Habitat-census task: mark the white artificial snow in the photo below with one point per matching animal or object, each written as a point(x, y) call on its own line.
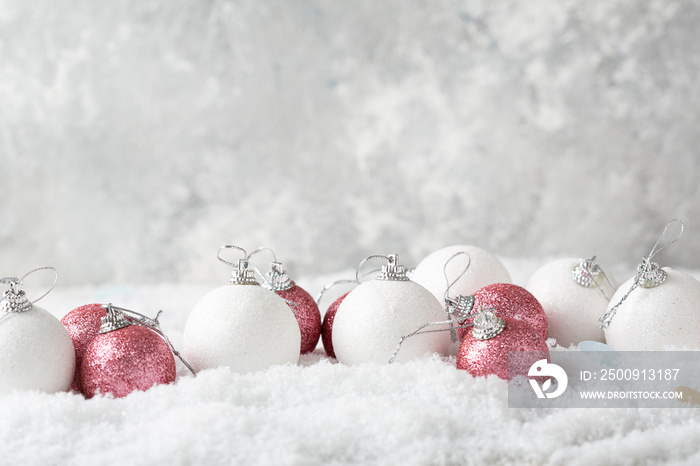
point(319, 412)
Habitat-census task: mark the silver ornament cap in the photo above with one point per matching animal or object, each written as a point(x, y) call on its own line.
point(14, 299)
point(392, 270)
point(277, 278)
point(587, 273)
point(242, 275)
point(487, 325)
point(114, 320)
point(460, 307)
point(650, 274)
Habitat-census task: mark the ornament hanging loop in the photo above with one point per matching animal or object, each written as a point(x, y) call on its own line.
point(449, 303)
point(240, 275)
point(446, 325)
point(444, 271)
point(649, 274)
point(231, 264)
point(655, 251)
point(359, 267)
point(330, 285)
point(260, 249)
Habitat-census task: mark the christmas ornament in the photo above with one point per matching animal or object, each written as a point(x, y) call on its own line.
point(484, 350)
point(374, 316)
point(127, 354)
point(241, 325)
point(329, 315)
point(507, 300)
point(658, 308)
point(302, 303)
point(477, 267)
point(83, 325)
point(574, 293)
point(327, 331)
point(36, 352)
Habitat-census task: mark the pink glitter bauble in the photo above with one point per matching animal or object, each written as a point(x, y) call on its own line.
point(307, 314)
point(514, 301)
point(328, 318)
point(82, 324)
point(486, 357)
point(124, 360)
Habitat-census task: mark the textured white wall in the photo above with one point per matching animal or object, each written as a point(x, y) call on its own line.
point(138, 136)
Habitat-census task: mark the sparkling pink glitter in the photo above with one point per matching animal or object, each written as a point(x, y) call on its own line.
point(486, 357)
point(82, 324)
point(514, 301)
point(327, 332)
point(128, 359)
point(307, 314)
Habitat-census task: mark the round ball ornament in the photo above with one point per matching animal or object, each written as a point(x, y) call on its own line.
point(301, 302)
point(374, 317)
point(124, 357)
point(657, 309)
point(474, 266)
point(574, 293)
point(83, 324)
point(507, 300)
point(241, 325)
point(36, 352)
point(327, 331)
point(484, 350)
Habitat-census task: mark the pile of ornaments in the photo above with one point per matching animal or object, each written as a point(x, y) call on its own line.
point(458, 301)
point(397, 318)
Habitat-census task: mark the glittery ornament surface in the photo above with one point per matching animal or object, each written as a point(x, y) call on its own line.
point(327, 332)
point(486, 357)
point(36, 352)
point(82, 324)
point(373, 318)
point(128, 359)
point(652, 319)
point(307, 314)
point(572, 310)
point(244, 327)
point(511, 301)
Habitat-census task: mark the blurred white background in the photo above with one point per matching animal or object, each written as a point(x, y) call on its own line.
point(137, 136)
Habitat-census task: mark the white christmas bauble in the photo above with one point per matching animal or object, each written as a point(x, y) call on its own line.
point(572, 310)
point(244, 327)
point(374, 316)
point(484, 269)
point(650, 319)
point(36, 352)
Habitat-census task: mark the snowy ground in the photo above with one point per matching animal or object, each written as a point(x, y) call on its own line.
point(320, 412)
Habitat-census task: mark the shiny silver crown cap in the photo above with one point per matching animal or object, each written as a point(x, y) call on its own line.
point(587, 272)
point(114, 320)
point(14, 300)
point(277, 278)
point(460, 307)
point(241, 275)
point(650, 274)
point(487, 325)
point(392, 271)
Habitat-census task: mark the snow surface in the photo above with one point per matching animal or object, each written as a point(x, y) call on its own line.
point(321, 412)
